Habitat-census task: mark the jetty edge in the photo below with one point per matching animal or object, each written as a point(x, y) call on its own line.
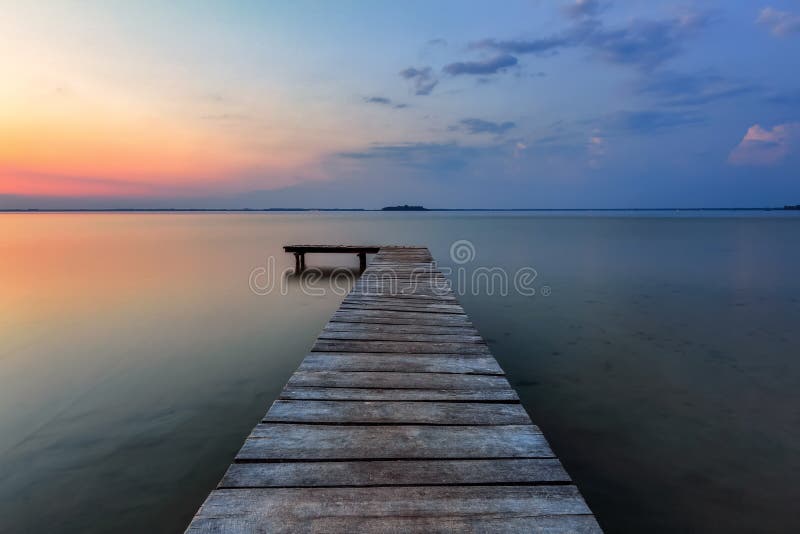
point(398, 420)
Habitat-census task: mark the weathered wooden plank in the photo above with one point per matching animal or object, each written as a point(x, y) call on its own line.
point(353, 335)
point(404, 260)
point(394, 250)
point(396, 509)
point(412, 268)
point(270, 442)
point(390, 272)
point(560, 524)
point(401, 347)
point(407, 289)
point(394, 473)
point(389, 290)
point(394, 277)
point(408, 266)
point(400, 293)
point(400, 314)
point(397, 380)
point(449, 298)
point(408, 261)
point(455, 310)
point(385, 317)
point(383, 412)
point(426, 300)
point(449, 363)
point(336, 326)
point(416, 268)
point(394, 274)
point(397, 276)
point(450, 395)
point(402, 298)
point(399, 318)
point(427, 304)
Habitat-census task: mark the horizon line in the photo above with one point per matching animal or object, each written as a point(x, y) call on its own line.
point(84, 210)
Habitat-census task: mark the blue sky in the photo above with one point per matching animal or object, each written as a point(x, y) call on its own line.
point(363, 104)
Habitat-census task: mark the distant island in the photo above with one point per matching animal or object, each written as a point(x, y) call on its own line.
point(795, 207)
point(404, 207)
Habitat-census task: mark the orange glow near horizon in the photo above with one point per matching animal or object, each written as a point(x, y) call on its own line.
point(80, 152)
point(98, 140)
point(90, 108)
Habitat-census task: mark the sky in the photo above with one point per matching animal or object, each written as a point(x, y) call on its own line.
point(449, 104)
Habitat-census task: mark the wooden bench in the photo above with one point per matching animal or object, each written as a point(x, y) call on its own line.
point(300, 252)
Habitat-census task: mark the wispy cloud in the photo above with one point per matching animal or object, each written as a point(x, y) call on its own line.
point(542, 45)
point(377, 100)
point(642, 43)
point(480, 126)
point(583, 8)
point(430, 157)
point(483, 67)
point(649, 121)
point(692, 89)
point(780, 23)
point(764, 146)
point(422, 78)
point(645, 43)
point(787, 98)
point(384, 101)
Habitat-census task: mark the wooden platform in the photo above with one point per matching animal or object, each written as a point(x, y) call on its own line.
point(398, 420)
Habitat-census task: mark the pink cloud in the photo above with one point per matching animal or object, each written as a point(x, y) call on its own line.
point(596, 147)
point(780, 23)
point(763, 146)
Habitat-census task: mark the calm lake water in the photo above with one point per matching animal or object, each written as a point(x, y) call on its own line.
point(662, 366)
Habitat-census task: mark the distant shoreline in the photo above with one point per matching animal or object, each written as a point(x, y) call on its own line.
point(295, 210)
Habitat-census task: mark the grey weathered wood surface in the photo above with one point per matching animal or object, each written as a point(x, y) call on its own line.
point(398, 420)
point(394, 473)
point(281, 441)
point(531, 508)
point(396, 380)
point(452, 395)
point(400, 336)
point(393, 412)
point(439, 363)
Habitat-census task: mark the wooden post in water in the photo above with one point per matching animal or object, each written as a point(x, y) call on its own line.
point(398, 420)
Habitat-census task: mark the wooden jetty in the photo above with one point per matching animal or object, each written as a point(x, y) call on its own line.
point(398, 420)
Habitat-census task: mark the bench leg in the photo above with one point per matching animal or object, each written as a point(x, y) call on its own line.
point(302, 261)
point(362, 260)
point(297, 262)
